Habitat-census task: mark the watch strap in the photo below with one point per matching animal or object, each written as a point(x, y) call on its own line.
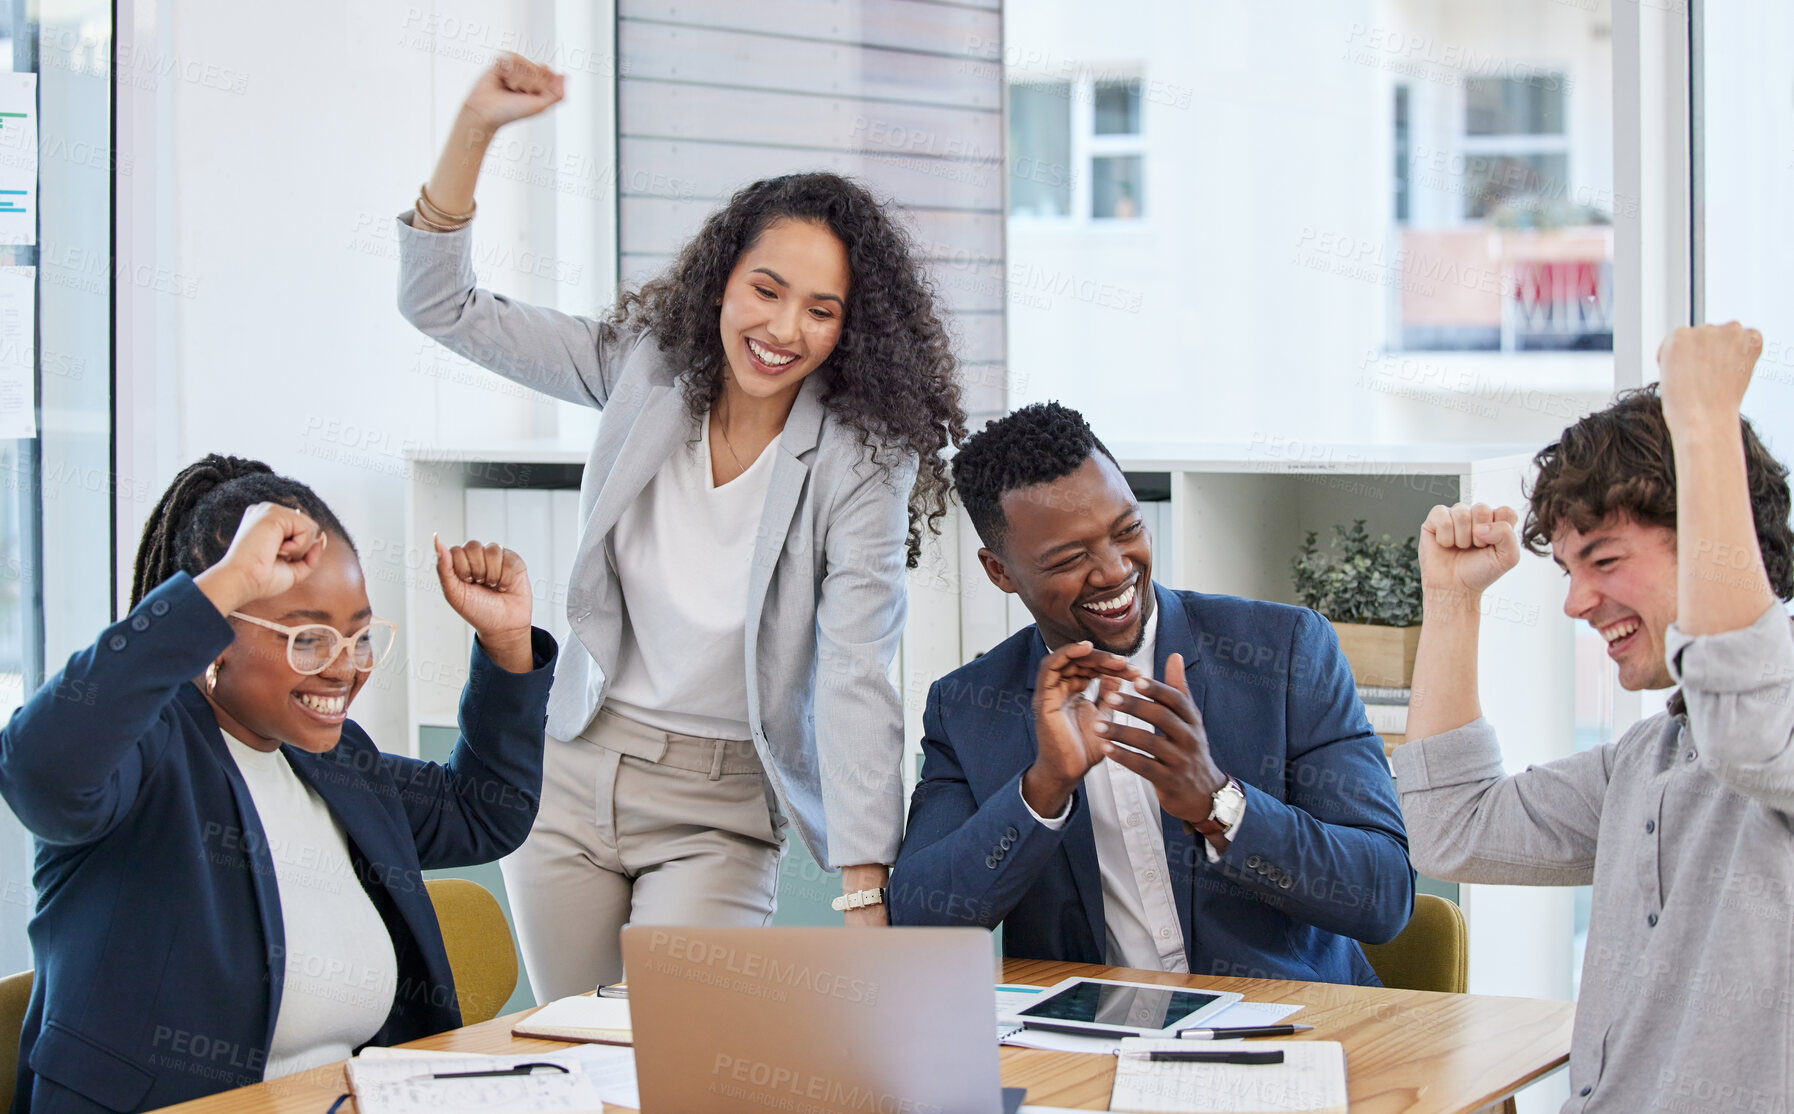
point(859, 899)
point(1213, 825)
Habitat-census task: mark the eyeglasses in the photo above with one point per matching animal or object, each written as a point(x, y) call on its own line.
point(311, 648)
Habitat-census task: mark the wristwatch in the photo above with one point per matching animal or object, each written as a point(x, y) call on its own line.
point(1229, 806)
point(859, 899)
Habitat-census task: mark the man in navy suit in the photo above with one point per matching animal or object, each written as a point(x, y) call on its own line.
point(1144, 777)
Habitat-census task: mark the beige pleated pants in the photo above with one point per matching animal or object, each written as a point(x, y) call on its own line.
point(638, 826)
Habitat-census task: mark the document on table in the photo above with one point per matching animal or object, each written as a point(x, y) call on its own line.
point(1311, 1078)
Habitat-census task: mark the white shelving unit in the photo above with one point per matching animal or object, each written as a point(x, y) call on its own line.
point(1234, 517)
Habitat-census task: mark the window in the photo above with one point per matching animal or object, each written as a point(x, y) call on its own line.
point(1040, 149)
point(56, 489)
point(1077, 147)
point(1515, 145)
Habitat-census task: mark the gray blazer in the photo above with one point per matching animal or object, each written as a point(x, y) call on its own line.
point(826, 595)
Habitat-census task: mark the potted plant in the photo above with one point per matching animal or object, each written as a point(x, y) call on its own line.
point(1369, 588)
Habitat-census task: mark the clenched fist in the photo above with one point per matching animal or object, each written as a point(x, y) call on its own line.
point(1464, 549)
point(1705, 370)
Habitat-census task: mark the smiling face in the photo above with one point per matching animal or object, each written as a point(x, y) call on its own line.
point(783, 307)
point(1078, 554)
point(259, 698)
point(1623, 583)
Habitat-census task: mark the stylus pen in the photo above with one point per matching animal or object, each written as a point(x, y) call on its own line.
point(1243, 1031)
point(1078, 1030)
point(1205, 1057)
point(613, 990)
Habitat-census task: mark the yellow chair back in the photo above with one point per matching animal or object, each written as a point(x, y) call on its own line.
point(1432, 953)
point(480, 951)
point(15, 992)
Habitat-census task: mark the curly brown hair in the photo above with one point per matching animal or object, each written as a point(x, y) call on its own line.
point(892, 376)
point(1620, 461)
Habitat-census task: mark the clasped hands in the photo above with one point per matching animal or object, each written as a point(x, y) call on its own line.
point(1075, 732)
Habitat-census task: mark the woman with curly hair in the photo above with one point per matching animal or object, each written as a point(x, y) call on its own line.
point(776, 405)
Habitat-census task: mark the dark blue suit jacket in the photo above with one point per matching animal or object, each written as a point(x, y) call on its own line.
point(158, 937)
point(1320, 860)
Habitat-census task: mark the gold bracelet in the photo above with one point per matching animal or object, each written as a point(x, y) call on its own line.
point(417, 216)
point(440, 214)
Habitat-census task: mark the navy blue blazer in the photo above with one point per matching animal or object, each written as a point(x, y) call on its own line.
point(1320, 860)
point(158, 935)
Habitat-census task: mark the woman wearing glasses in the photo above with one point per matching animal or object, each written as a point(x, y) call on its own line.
point(228, 868)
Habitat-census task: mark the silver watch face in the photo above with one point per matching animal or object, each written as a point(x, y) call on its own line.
point(1230, 803)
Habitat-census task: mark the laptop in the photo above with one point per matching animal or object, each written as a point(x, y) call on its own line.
point(814, 1020)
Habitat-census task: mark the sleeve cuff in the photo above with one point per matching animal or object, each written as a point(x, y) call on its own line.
point(1464, 754)
point(1744, 660)
point(1056, 823)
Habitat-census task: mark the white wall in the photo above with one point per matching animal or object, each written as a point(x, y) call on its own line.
point(277, 201)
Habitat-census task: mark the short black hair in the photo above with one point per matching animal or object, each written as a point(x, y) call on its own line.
point(1037, 444)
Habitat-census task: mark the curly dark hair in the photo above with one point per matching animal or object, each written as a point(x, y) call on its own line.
point(1620, 461)
point(1036, 444)
point(892, 376)
point(196, 519)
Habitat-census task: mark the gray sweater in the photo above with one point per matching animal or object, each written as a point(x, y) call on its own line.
point(1685, 827)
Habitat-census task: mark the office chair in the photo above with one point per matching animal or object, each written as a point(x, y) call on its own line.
point(480, 950)
point(15, 992)
point(1432, 953)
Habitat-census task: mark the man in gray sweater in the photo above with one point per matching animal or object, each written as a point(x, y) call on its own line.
point(1671, 521)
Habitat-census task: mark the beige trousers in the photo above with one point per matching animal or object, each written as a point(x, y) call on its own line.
point(638, 826)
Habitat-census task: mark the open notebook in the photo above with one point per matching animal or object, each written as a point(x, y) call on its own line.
point(404, 1082)
point(1311, 1078)
point(581, 1018)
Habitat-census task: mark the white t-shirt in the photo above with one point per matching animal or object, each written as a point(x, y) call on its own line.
point(341, 973)
point(684, 548)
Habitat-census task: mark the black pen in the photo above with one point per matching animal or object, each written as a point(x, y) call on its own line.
point(1200, 1034)
point(1203, 1056)
point(520, 1069)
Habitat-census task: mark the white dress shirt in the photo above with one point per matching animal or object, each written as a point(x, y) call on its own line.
point(1139, 913)
point(684, 549)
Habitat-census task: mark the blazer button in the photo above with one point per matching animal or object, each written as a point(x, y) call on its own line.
point(116, 642)
point(1013, 835)
point(139, 623)
point(160, 607)
point(1285, 882)
point(1006, 843)
point(990, 861)
point(1252, 861)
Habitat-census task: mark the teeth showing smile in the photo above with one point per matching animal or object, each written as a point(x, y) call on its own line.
point(324, 705)
point(1619, 630)
point(766, 356)
point(1116, 603)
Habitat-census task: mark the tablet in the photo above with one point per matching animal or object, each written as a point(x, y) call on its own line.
point(1109, 1006)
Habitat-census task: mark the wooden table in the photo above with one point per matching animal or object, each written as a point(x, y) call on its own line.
point(1407, 1051)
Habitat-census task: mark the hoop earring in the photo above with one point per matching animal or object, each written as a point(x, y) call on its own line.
point(211, 677)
